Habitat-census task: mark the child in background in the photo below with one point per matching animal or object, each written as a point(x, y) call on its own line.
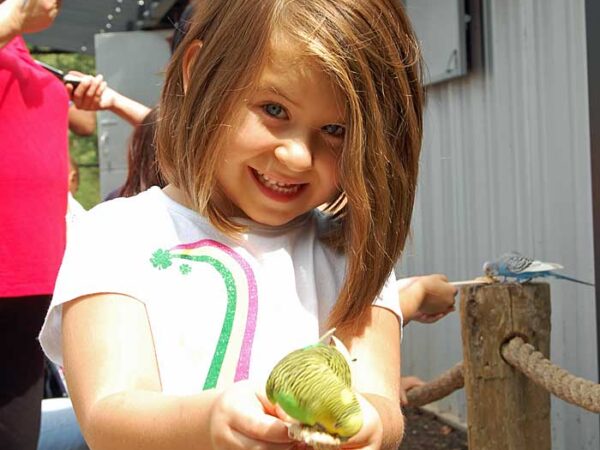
point(191, 294)
point(425, 299)
point(74, 208)
point(142, 167)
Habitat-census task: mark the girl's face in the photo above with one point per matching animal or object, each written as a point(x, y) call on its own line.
point(281, 159)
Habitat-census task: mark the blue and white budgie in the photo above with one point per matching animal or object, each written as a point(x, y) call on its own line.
point(521, 268)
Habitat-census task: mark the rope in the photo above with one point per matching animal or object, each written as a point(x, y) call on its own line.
point(448, 382)
point(525, 358)
point(534, 365)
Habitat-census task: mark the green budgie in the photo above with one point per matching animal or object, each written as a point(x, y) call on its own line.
point(313, 386)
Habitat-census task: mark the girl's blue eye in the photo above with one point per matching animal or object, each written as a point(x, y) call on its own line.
point(334, 130)
point(275, 110)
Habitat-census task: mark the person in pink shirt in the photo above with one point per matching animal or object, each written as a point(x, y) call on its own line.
point(33, 201)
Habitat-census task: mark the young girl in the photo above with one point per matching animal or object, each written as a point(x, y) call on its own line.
point(173, 306)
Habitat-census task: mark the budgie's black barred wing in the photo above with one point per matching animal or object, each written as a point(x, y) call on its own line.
point(336, 362)
point(515, 262)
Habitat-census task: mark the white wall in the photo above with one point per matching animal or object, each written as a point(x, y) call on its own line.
point(506, 166)
point(133, 63)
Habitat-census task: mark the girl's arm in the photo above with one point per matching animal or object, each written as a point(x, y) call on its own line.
point(376, 375)
point(114, 383)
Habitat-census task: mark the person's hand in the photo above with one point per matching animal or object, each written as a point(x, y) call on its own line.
point(243, 418)
point(92, 93)
point(30, 16)
point(431, 297)
point(438, 297)
point(371, 433)
point(406, 384)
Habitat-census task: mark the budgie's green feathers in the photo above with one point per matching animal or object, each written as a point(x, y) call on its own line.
point(313, 386)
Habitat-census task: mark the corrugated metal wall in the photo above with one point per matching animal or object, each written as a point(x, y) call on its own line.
point(506, 166)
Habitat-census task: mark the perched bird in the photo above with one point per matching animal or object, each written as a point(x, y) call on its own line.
point(521, 268)
point(313, 386)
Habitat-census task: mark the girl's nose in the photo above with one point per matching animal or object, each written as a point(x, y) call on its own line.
point(295, 155)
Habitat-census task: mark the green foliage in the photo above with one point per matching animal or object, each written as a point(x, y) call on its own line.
point(69, 61)
point(84, 150)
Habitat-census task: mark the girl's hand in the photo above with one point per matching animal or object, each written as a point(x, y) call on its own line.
point(242, 418)
point(92, 93)
point(371, 434)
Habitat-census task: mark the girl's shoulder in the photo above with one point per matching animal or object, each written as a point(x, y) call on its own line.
point(138, 221)
point(145, 209)
point(127, 205)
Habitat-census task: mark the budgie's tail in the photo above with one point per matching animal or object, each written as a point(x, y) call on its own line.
point(574, 280)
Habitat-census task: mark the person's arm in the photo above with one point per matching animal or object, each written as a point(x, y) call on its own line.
point(93, 94)
point(25, 16)
point(376, 376)
point(127, 108)
point(82, 122)
point(11, 18)
point(114, 384)
point(426, 298)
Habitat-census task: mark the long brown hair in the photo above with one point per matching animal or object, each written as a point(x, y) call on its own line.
point(370, 52)
point(142, 167)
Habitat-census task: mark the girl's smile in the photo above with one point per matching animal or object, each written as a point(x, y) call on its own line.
point(277, 190)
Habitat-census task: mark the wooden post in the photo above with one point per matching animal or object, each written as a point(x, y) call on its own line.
point(505, 410)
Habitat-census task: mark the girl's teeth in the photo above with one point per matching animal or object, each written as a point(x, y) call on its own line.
point(278, 186)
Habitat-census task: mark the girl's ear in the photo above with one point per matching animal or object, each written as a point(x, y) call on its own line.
point(191, 53)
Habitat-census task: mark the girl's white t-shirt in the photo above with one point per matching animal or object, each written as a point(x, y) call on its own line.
point(219, 310)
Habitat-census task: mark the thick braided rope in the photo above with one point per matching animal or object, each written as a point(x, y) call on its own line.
point(448, 382)
point(534, 365)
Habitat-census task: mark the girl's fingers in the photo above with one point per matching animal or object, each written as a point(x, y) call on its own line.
point(241, 409)
point(370, 435)
point(262, 427)
point(237, 440)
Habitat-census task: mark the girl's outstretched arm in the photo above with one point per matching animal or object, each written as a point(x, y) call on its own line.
point(376, 376)
point(114, 382)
